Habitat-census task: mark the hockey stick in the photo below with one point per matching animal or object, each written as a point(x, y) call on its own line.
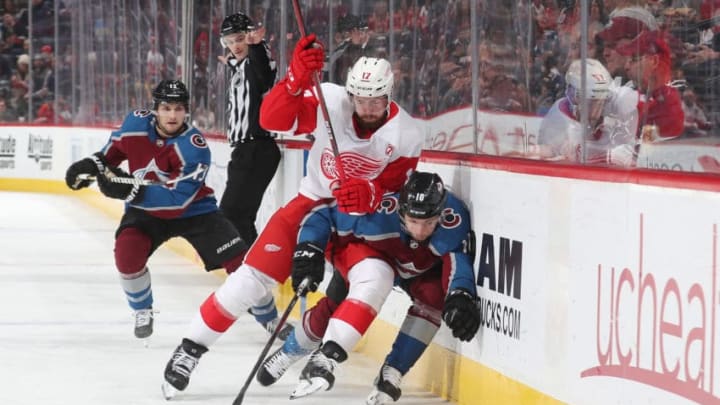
point(300, 291)
point(145, 182)
point(321, 97)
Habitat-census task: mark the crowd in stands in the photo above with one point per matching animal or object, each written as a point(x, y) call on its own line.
point(523, 51)
point(27, 83)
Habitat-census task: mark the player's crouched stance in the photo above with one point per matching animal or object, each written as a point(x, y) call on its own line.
point(423, 237)
point(165, 196)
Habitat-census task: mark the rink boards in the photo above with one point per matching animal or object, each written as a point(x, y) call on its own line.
point(597, 286)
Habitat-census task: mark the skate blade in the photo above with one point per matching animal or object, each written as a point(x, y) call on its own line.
point(146, 342)
point(308, 387)
point(168, 391)
point(378, 398)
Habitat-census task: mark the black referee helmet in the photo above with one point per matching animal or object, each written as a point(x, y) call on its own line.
point(238, 22)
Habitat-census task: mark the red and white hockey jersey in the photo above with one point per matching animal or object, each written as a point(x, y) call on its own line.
point(387, 156)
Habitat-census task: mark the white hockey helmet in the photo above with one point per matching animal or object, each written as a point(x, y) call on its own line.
point(597, 80)
point(370, 77)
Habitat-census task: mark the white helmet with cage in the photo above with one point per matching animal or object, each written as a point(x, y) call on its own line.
point(370, 77)
point(597, 80)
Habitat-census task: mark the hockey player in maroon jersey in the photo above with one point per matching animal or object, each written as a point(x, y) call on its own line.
point(379, 145)
point(424, 235)
point(160, 146)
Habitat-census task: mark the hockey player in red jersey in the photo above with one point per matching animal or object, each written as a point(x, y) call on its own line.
point(379, 145)
point(612, 120)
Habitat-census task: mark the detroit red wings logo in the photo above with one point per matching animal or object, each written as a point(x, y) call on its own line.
point(327, 165)
point(354, 165)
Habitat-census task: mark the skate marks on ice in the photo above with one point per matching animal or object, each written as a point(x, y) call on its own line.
point(66, 333)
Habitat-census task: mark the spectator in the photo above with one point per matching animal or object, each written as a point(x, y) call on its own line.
point(696, 124)
point(355, 35)
point(379, 19)
point(7, 113)
point(650, 67)
point(154, 62)
point(20, 84)
point(43, 78)
point(457, 94)
point(551, 86)
point(42, 12)
point(501, 95)
point(702, 62)
point(625, 24)
point(13, 36)
point(46, 114)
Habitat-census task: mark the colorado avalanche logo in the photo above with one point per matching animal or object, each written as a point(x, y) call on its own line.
point(198, 141)
point(388, 205)
point(151, 172)
point(450, 219)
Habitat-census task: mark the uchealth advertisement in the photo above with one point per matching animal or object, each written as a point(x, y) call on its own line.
point(644, 295)
point(698, 155)
point(595, 292)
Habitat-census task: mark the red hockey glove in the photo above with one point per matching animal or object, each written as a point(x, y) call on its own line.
point(358, 196)
point(307, 58)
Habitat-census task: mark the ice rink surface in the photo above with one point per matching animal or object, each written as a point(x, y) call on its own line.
point(66, 331)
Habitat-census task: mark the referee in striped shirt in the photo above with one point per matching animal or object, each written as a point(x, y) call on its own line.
point(255, 155)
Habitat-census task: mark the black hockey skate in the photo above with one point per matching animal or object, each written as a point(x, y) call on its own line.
point(181, 365)
point(279, 362)
point(143, 323)
point(387, 386)
point(318, 372)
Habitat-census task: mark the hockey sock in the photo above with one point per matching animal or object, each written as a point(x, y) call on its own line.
point(138, 290)
point(265, 313)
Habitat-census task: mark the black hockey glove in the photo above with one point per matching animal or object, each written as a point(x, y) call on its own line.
point(132, 193)
point(89, 166)
point(308, 262)
point(461, 314)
